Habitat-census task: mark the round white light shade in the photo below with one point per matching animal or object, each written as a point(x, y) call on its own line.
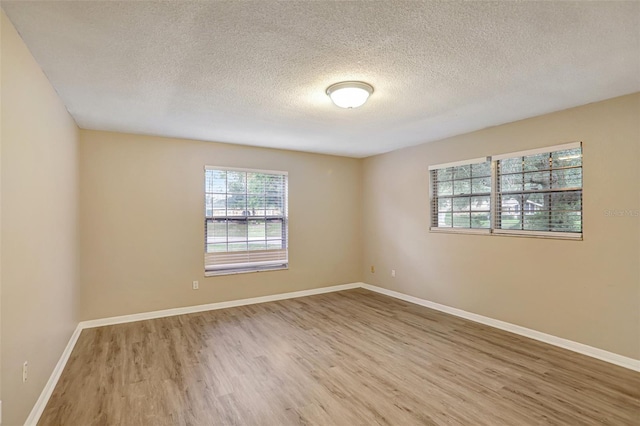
point(349, 94)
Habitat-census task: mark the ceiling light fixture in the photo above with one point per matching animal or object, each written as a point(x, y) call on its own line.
point(349, 94)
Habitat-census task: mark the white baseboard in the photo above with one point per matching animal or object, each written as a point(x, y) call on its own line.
point(603, 355)
point(622, 361)
point(42, 401)
point(214, 306)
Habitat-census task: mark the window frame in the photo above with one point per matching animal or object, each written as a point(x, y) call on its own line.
point(496, 195)
point(434, 197)
point(256, 265)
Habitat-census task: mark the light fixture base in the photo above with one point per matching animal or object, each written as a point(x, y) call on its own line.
point(349, 94)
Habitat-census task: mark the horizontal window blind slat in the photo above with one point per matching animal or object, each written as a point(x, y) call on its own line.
point(541, 191)
point(541, 170)
point(244, 257)
point(247, 265)
point(474, 194)
point(245, 269)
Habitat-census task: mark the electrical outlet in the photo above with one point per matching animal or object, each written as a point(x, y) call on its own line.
point(393, 273)
point(25, 366)
point(373, 269)
point(195, 285)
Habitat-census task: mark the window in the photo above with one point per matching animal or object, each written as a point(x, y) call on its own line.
point(461, 194)
point(540, 191)
point(246, 220)
point(531, 193)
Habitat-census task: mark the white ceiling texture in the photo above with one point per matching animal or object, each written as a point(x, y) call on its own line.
point(255, 73)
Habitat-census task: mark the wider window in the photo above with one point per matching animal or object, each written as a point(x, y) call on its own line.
point(246, 220)
point(540, 192)
point(532, 193)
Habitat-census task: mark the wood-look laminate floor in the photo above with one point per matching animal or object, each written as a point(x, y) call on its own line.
point(348, 358)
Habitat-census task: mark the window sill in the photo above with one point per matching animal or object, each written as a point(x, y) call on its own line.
point(510, 233)
point(222, 272)
point(470, 231)
point(538, 234)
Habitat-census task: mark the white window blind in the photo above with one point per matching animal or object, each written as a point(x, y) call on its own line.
point(540, 192)
point(246, 220)
point(461, 195)
point(528, 193)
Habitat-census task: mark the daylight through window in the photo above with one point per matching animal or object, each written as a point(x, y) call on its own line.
point(246, 220)
point(540, 192)
point(536, 192)
point(462, 195)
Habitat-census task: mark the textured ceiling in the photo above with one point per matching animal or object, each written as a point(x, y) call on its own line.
point(255, 73)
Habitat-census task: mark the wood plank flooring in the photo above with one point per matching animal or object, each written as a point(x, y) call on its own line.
point(348, 358)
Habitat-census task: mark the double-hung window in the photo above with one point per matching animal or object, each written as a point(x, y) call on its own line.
point(461, 195)
point(246, 220)
point(540, 192)
point(531, 193)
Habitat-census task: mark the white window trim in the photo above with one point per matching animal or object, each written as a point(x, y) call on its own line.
point(246, 269)
point(539, 234)
point(252, 267)
point(451, 230)
point(459, 163)
point(575, 236)
point(562, 147)
point(240, 169)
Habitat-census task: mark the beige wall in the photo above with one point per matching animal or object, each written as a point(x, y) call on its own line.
point(140, 205)
point(2, 22)
point(142, 213)
point(587, 291)
point(39, 227)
